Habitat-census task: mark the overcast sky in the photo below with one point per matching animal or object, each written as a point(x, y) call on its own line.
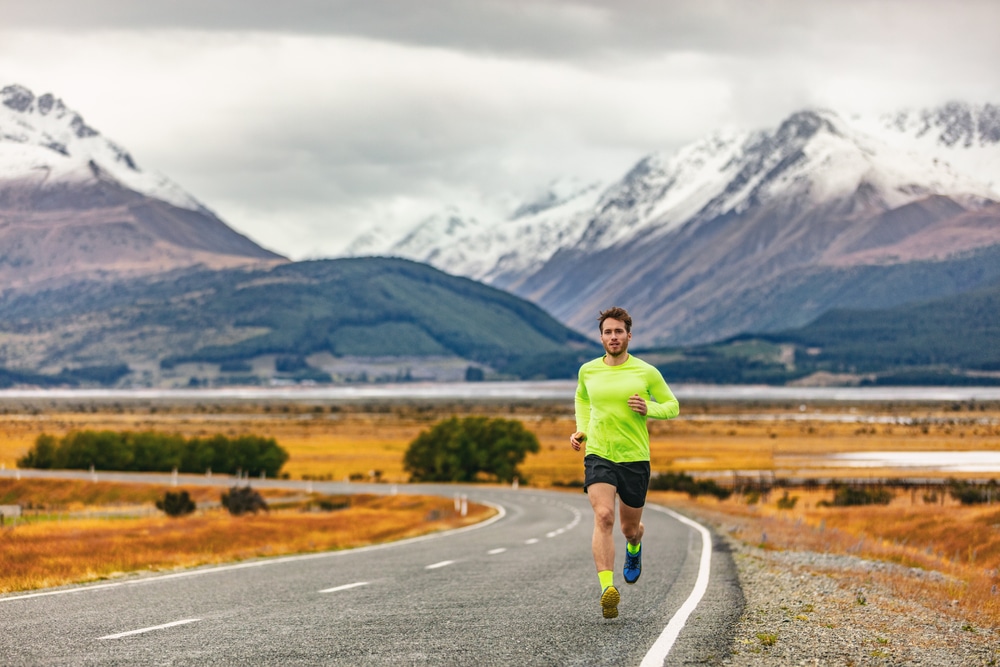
point(305, 123)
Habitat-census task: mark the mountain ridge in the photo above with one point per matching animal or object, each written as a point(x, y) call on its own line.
point(75, 205)
point(683, 231)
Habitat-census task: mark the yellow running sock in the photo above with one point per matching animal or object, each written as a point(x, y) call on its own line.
point(607, 578)
point(632, 548)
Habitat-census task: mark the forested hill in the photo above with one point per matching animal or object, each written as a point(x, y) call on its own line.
point(270, 322)
point(946, 341)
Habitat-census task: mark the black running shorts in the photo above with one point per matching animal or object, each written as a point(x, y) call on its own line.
point(630, 479)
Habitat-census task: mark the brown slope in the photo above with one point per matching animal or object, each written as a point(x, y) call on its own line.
point(98, 229)
point(931, 229)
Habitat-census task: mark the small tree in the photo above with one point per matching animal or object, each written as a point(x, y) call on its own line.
point(458, 450)
point(176, 504)
point(242, 499)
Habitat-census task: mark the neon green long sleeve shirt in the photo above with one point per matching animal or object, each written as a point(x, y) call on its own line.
point(614, 431)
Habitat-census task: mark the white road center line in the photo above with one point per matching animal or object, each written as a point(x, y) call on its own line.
point(533, 540)
point(435, 566)
point(150, 629)
point(344, 587)
point(494, 552)
point(659, 650)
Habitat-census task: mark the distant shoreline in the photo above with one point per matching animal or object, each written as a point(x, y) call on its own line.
point(558, 390)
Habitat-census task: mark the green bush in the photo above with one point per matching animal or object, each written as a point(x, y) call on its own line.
point(969, 493)
point(176, 504)
point(460, 450)
point(847, 496)
point(787, 503)
point(149, 451)
point(242, 500)
point(678, 481)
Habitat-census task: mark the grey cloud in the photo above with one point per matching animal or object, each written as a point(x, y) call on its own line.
point(547, 28)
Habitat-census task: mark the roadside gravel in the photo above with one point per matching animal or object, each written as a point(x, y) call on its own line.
point(807, 608)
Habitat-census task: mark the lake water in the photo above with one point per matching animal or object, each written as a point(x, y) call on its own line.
point(548, 390)
point(970, 462)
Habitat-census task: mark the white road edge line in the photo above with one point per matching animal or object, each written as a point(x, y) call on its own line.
point(661, 647)
point(501, 513)
point(155, 627)
point(344, 587)
point(443, 563)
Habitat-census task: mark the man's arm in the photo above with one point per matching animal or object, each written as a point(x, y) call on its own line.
point(664, 404)
point(581, 405)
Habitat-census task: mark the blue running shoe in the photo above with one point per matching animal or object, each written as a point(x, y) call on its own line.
point(609, 602)
point(633, 566)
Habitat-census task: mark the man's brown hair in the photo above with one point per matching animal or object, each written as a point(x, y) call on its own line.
point(615, 313)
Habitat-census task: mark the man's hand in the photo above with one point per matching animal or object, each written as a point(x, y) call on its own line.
point(577, 439)
point(637, 404)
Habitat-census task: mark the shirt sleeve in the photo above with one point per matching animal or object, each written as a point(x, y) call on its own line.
point(662, 404)
point(582, 405)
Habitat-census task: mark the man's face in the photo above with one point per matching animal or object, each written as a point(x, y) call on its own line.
point(614, 338)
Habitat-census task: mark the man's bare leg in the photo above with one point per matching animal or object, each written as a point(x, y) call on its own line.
point(631, 522)
point(602, 499)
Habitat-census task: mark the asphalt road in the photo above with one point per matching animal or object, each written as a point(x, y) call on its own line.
point(517, 590)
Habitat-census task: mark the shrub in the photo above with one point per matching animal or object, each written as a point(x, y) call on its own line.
point(150, 451)
point(787, 503)
point(242, 499)
point(459, 450)
point(176, 504)
point(846, 496)
point(969, 493)
point(678, 481)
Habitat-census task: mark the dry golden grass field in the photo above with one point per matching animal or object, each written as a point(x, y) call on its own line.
point(353, 440)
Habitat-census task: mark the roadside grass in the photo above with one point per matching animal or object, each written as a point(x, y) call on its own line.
point(949, 554)
point(40, 554)
point(74, 495)
point(355, 442)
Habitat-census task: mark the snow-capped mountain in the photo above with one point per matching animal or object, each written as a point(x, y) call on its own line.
point(694, 240)
point(40, 138)
point(522, 240)
point(967, 136)
point(75, 203)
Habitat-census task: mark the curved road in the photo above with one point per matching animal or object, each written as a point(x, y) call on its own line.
point(517, 590)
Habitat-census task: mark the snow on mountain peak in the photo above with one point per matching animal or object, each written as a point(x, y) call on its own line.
point(967, 136)
point(41, 138)
point(814, 157)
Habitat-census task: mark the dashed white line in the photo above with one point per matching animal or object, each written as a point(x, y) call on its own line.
point(150, 629)
point(435, 566)
point(533, 540)
point(494, 552)
point(344, 587)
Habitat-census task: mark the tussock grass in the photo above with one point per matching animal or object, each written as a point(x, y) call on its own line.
point(345, 441)
point(51, 553)
point(949, 554)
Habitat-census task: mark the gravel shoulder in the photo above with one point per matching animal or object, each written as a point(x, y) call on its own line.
point(807, 608)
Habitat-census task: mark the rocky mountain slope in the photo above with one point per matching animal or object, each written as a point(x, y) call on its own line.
point(752, 231)
point(74, 205)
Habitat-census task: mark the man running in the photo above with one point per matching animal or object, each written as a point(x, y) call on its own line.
point(615, 394)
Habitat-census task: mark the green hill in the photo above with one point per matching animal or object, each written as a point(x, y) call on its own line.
point(948, 341)
point(228, 321)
